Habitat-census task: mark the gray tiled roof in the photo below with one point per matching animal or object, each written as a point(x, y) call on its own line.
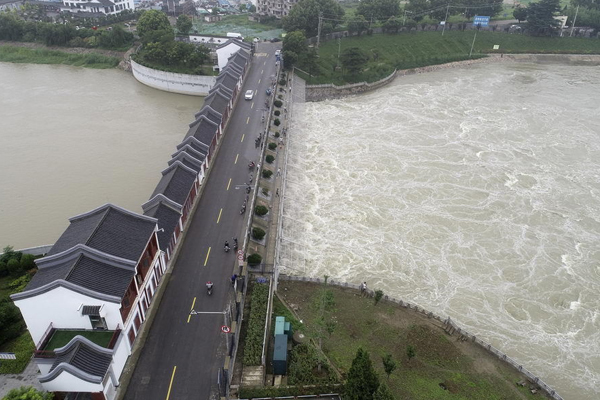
point(234, 70)
point(90, 310)
point(168, 218)
point(188, 161)
point(217, 101)
point(84, 356)
point(227, 79)
point(176, 182)
point(204, 131)
point(240, 58)
point(87, 268)
point(109, 229)
point(223, 89)
point(210, 113)
point(237, 42)
point(192, 146)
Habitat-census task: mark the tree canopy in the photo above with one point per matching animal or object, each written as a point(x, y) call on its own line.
point(383, 393)
point(362, 380)
point(184, 24)
point(27, 393)
point(353, 59)
point(436, 9)
point(520, 13)
point(540, 17)
point(379, 10)
point(294, 47)
point(304, 16)
point(154, 26)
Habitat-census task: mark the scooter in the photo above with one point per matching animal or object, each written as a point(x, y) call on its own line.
point(226, 247)
point(251, 166)
point(209, 288)
point(235, 244)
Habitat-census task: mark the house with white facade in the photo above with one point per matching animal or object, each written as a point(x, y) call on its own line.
point(276, 8)
point(97, 7)
point(227, 49)
point(85, 305)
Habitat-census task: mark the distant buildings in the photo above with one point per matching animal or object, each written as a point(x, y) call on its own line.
point(97, 7)
point(276, 8)
point(88, 301)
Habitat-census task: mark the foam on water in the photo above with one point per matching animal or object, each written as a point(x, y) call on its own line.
point(471, 192)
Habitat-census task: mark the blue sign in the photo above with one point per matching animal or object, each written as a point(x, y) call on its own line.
point(481, 21)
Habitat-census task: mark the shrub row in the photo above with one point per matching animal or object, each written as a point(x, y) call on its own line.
point(256, 324)
point(250, 392)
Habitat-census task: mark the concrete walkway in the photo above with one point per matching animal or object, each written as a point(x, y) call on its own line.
point(29, 377)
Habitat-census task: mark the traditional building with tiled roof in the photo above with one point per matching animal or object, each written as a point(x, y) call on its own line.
point(97, 280)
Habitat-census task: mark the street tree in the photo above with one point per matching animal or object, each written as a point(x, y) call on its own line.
point(353, 60)
point(540, 17)
point(379, 10)
point(362, 380)
point(389, 365)
point(383, 393)
point(304, 16)
point(184, 24)
point(359, 24)
point(520, 13)
point(294, 48)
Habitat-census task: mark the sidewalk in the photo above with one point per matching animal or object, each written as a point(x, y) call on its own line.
point(29, 377)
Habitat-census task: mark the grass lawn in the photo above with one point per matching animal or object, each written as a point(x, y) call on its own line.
point(23, 348)
point(466, 370)
point(410, 50)
point(62, 337)
point(38, 56)
point(239, 24)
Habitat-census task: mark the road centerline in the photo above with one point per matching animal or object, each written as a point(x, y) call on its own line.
point(219, 217)
point(206, 259)
point(171, 383)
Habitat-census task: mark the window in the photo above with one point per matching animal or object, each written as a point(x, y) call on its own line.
point(98, 322)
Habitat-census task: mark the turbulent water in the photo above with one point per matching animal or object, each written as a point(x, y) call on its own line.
point(473, 192)
point(74, 139)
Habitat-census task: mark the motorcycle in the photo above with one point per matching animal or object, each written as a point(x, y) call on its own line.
point(251, 166)
point(209, 288)
point(235, 244)
point(226, 247)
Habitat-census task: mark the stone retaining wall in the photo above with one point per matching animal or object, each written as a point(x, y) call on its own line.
point(330, 91)
point(194, 85)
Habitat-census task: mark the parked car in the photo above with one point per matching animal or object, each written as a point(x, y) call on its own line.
point(275, 39)
point(249, 94)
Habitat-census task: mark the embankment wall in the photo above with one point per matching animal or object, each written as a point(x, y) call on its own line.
point(194, 85)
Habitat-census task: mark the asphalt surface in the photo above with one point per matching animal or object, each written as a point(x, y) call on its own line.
point(185, 349)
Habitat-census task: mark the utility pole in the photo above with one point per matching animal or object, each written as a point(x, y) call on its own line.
point(574, 20)
point(445, 19)
point(319, 31)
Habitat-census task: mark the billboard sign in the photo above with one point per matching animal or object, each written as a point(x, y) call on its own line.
point(481, 21)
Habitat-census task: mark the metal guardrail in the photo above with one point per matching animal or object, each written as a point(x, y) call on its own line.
point(448, 323)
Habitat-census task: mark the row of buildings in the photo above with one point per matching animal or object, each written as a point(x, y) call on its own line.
point(88, 301)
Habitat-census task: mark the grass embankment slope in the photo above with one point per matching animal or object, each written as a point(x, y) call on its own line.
point(22, 55)
point(411, 50)
point(466, 370)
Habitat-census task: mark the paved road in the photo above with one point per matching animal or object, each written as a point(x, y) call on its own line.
point(184, 351)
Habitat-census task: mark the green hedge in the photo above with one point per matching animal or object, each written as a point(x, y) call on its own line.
point(23, 348)
point(256, 324)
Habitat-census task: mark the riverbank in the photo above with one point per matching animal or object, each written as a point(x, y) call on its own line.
point(331, 91)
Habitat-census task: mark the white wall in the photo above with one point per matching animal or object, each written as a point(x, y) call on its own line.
point(120, 355)
point(66, 380)
point(208, 39)
point(62, 307)
point(224, 53)
point(194, 85)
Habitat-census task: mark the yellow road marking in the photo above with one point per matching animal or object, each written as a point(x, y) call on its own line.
point(171, 383)
point(259, 80)
point(248, 120)
point(236, 158)
point(252, 105)
point(243, 134)
point(191, 308)
point(219, 217)
point(229, 184)
point(261, 71)
point(207, 254)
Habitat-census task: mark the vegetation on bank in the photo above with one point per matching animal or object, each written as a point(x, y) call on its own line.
point(16, 54)
point(400, 349)
point(16, 270)
point(386, 52)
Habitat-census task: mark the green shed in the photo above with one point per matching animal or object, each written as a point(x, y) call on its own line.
point(280, 355)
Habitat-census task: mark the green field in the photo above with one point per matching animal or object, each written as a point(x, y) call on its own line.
point(442, 368)
point(40, 56)
point(410, 50)
point(239, 24)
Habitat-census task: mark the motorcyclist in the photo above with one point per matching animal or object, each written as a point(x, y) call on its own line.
point(209, 286)
point(233, 278)
point(235, 243)
point(226, 247)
